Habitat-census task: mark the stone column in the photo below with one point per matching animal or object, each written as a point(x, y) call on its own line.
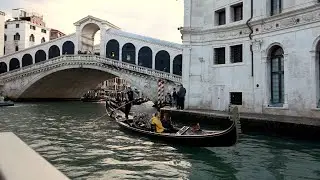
point(314, 77)
point(228, 17)
point(103, 36)
point(286, 80)
point(265, 80)
point(186, 73)
point(137, 57)
point(171, 64)
point(78, 43)
point(120, 52)
point(154, 59)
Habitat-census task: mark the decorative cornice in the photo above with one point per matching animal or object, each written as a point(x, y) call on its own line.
point(265, 25)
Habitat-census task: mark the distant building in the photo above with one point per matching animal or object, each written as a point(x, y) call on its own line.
point(54, 34)
point(25, 30)
point(115, 84)
point(2, 15)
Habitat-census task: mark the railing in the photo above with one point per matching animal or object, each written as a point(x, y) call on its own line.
point(84, 59)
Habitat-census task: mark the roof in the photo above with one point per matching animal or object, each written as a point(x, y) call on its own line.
point(83, 20)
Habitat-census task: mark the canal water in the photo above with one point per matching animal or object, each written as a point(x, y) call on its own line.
point(64, 135)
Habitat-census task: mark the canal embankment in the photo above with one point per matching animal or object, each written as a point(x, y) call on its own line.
point(251, 123)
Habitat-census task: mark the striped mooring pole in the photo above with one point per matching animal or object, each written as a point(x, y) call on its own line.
point(160, 92)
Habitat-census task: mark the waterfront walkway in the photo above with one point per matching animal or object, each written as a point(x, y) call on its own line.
point(254, 116)
point(19, 162)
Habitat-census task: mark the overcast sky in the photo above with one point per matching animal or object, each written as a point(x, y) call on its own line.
point(156, 18)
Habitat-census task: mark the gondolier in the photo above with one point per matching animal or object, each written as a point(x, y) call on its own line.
point(129, 99)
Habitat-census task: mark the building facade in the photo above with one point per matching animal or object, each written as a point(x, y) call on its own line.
point(2, 17)
point(54, 34)
point(262, 56)
point(25, 30)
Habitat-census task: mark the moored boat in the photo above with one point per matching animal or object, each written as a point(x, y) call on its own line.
point(184, 135)
point(6, 103)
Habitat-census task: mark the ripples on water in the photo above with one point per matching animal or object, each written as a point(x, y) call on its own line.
point(64, 134)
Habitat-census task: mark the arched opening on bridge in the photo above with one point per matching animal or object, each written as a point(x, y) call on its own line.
point(90, 36)
point(54, 51)
point(68, 47)
point(26, 60)
point(129, 53)
point(14, 64)
point(40, 56)
point(112, 49)
point(145, 57)
point(3, 67)
point(163, 61)
point(177, 65)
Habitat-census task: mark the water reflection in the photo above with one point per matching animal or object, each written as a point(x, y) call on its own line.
point(65, 135)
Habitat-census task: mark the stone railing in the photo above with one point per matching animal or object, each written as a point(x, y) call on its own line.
point(86, 59)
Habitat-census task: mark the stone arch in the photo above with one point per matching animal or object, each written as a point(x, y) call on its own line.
point(177, 65)
point(26, 60)
point(112, 49)
point(162, 61)
point(14, 64)
point(276, 75)
point(271, 46)
point(3, 67)
point(145, 57)
point(129, 53)
point(40, 56)
point(88, 32)
point(317, 67)
point(68, 47)
point(54, 51)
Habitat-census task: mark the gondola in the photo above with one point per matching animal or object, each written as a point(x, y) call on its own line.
point(183, 136)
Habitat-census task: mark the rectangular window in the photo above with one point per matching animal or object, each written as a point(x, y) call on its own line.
point(236, 98)
point(43, 31)
point(221, 17)
point(219, 55)
point(17, 25)
point(236, 53)
point(237, 12)
point(275, 7)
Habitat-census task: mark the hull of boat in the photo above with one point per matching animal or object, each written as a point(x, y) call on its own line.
point(6, 104)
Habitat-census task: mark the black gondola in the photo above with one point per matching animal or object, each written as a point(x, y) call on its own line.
point(6, 103)
point(185, 135)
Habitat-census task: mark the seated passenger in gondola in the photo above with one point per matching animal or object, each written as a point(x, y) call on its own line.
point(155, 121)
point(166, 122)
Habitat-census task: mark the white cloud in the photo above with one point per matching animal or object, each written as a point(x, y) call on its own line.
point(155, 18)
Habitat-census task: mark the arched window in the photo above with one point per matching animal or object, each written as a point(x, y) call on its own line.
point(43, 40)
point(3, 67)
point(54, 51)
point(26, 60)
point(145, 57)
point(177, 65)
point(163, 61)
point(112, 49)
point(17, 48)
point(129, 53)
point(14, 64)
point(31, 38)
point(5, 37)
point(40, 56)
point(16, 37)
point(277, 75)
point(68, 47)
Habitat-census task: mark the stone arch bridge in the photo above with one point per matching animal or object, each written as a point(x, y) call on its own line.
point(67, 67)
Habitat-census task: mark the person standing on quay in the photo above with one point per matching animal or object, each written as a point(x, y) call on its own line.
point(181, 97)
point(174, 98)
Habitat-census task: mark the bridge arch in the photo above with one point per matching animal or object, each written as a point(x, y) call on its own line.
point(54, 51)
point(3, 67)
point(163, 61)
point(129, 53)
point(112, 49)
point(68, 47)
point(14, 64)
point(27, 60)
point(145, 57)
point(177, 65)
point(40, 56)
point(88, 32)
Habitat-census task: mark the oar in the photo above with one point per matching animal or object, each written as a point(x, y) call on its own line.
point(120, 107)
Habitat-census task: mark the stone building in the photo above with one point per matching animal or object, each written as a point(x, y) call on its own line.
point(262, 56)
point(2, 17)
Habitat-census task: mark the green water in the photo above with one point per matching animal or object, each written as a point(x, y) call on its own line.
point(64, 135)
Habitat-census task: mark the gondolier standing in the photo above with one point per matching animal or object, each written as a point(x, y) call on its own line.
point(129, 99)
